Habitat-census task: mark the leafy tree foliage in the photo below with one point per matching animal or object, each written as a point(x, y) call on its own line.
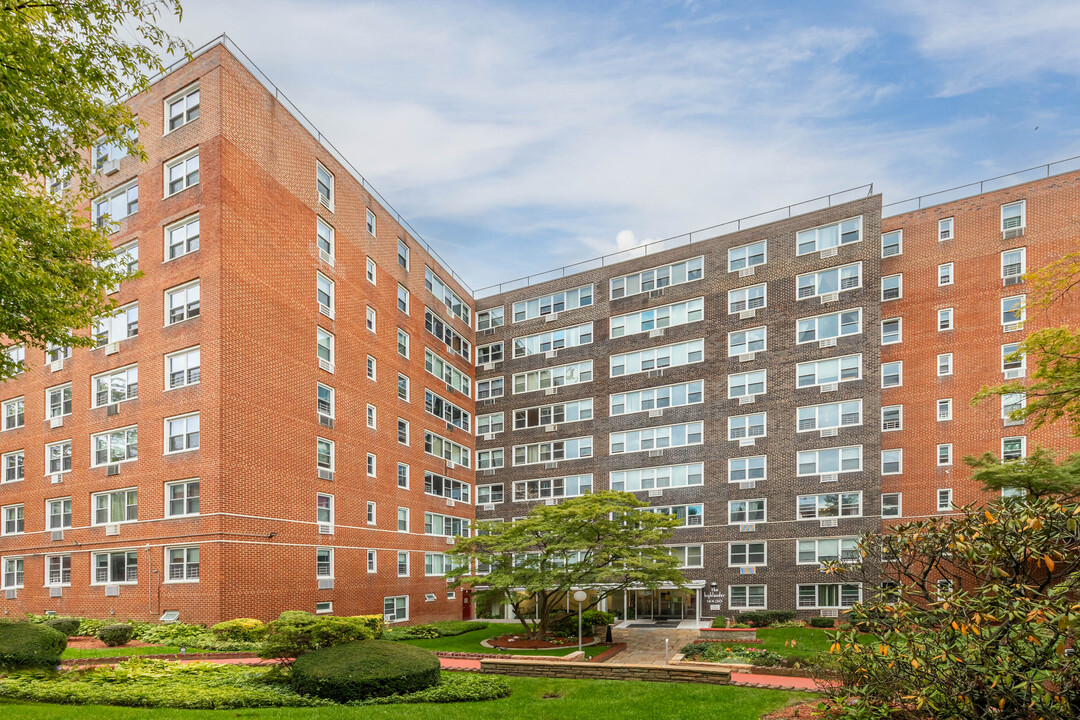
point(66, 66)
point(600, 542)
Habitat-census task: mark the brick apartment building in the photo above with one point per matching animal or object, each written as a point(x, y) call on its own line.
point(323, 404)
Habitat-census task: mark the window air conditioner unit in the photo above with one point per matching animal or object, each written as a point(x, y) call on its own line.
point(112, 529)
point(551, 318)
point(1014, 374)
point(488, 436)
point(489, 507)
point(326, 257)
point(659, 452)
point(551, 428)
point(828, 477)
point(828, 432)
point(56, 422)
point(657, 492)
point(326, 529)
point(326, 583)
point(488, 403)
point(450, 541)
point(326, 365)
point(450, 465)
point(112, 348)
point(56, 365)
point(748, 570)
point(551, 354)
point(659, 372)
point(830, 297)
point(656, 293)
point(827, 343)
point(1012, 233)
point(551, 465)
point(746, 357)
point(57, 535)
point(658, 412)
point(113, 409)
point(550, 501)
point(746, 400)
point(326, 421)
point(747, 314)
point(56, 478)
point(1013, 327)
point(829, 613)
point(11, 594)
point(830, 387)
point(487, 366)
point(326, 311)
point(450, 502)
point(1012, 280)
point(747, 527)
point(827, 252)
point(325, 474)
point(829, 522)
point(746, 442)
point(112, 591)
point(489, 473)
point(56, 591)
point(658, 332)
point(112, 470)
point(748, 484)
point(110, 167)
point(551, 391)
point(746, 272)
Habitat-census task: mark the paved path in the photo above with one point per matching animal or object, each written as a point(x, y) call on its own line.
point(645, 646)
point(778, 682)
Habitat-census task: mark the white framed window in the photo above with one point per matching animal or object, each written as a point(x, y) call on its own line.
point(444, 487)
point(58, 401)
point(403, 343)
point(182, 498)
point(828, 236)
point(452, 300)
point(830, 325)
point(57, 570)
point(553, 451)
point(658, 358)
point(403, 431)
point(892, 374)
point(402, 299)
point(370, 318)
point(181, 564)
point(747, 554)
point(944, 500)
point(13, 466)
point(892, 462)
point(121, 325)
point(571, 486)
point(747, 342)
point(324, 562)
point(561, 301)
point(489, 354)
point(447, 449)
point(656, 278)
point(747, 469)
point(945, 274)
point(1013, 448)
point(324, 607)
point(828, 461)
point(491, 318)
point(892, 287)
point(324, 454)
point(746, 511)
point(396, 609)
point(371, 416)
point(370, 513)
point(827, 505)
point(656, 438)
point(55, 353)
point(673, 315)
point(372, 561)
point(183, 368)
point(371, 223)
point(746, 426)
point(403, 476)
point(14, 413)
point(403, 519)
point(746, 597)
point(944, 319)
point(828, 596)
point(945, 229)
point(1014, 215)
point(404, 391)
point(691, 393)
point(546, 342)
point(892, 418)
point(17, 354)
point(403, 564)
point(892, 505)
point(13, 573)
point(324, 346)
point(685, 475)
point(1013, 264)
point(106, 150)
point(829, 281)
point(324, 237)
point(752, 297)
point(182, 172)
point(689, 556)
point(182, 238)
point(829, 371)
point(182, 108)
point(553, 377)
point(324, 293)
point(324, 186)
point(445, 525)
point(446, 372)
point(371, 272)
point(1013, 312)
point(489, 494)
point(892, 243)
point(447, 411)
point(403, 254)
point(1013, 363)
point(13, 519)
point(182, 433)
point(324, 400)
point(829, 415)
point(826, 550)
point(182, 303)
point(944, 454)
point(944, 409)
point(371, 462)
point(116, 506)
point(492, 459)
point(945, 364)
point(490, 424)
point(748, 256)
point(892, 331)
point(57, 458)
point(119, 567)
point(747, 384)
point(1010, 403)
point(115, 446)
point(114, 206)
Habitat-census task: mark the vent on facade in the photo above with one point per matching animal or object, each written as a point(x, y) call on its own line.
point(550, 354)
point(112, 469)
point(829, 613)
point(56, 591)
point(112, 348)
point(326, 365)
point(1012, 233)
point(449, 541)
point(830, 387)
point(326, 583)
point(746, 272)
point(112, 529)
point(56, 478)
point(326, 257)
point(746, 357)
point(169, 617)
point(110, 167)
point(658, 332)
point(1012, 280)
point(112, 591)
point(11, 594)
point(551, 391)
point(890, 425)
point(489, 436)
point(748, 570)
point(450, 502)
point(326, 529)
point(747, 527)
point(551, 318)
point(656, 293)
point(828, 477)
point(829, 522)
point(1009, 423)
point(489, 331)
point(489, 473)
point(830, 297)
point(487, 366)
point(1013, 327)
point(746, 442)
point(551, 428)
point(57, 535)
point(656, 373)
point(827, 343)
point(56, 422)
point(658, 412)
point(747, 314)
point(828, 432)
point(657, 492)
point(1014, 374)
point(550, 501)
point(659, 452)
point(325, 474)
point(324, 310)
point(326, 421)
point(748, 484)
point(551, 465)
point(489, 507)
point(56, 366)
point(827, 253)
point(746, 400)
point(113, 409)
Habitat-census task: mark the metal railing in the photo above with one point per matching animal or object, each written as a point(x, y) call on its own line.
point(1019, 177)
point(651, 248)
point(267, 83)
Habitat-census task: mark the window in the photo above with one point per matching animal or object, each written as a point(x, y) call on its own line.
point(447, 411)
point(945, 274)
point(119, 506)
point(402, 253)
point(181, 369)
point(370, 318)
point(828, 461)
point(371, 416)
point(324, 239)
point(181, 173)
point(829, 415)
point(489, 494)
point(182, 108)
point(324, 400)
point(682, 313)
point(403, 387)
point(181, 238)
point(747, 298)
point(324, 454)
point(57, 570)
point(121, 325)
point(106, 150)
point(370, 515)
point(13, 466)
point(1013, 364)
point(944, 454)
point(892, 374)
point(746, 554)
point(445, 487)
point(17, 355)
point(828, 596)
point(1013, 312)
point(1014, 215)
point(402, 343)
point(826, 372)
point(371, 223)
point(650, 478)
point(656, 278)
point(324, 562)
point(403, 299)
point(892, 418)
point(945, 229)
point(182, 564)
point(945, 319)
point(182, 498)
point(832, 325)
point(826, 550)
point(655, 438)
point(829, 281)
point(491, 318)
point(117, 386)
point(13, 520)
point(892, 462)
point(746, 257)
point(944, 500)
point(489, 459)
point(487, 354)
point(944, 409)
point(118, 204)
point(689, 556)
point(55, 353)
point(57, 458)
point(892, 331)
point(892, 243)
point(674, 355)
point(747, 342)
point(449, 298)
point(371, 271)
point(490, 424)
point(58, 513)
point(445, 525)
point(558, 376)
point(324, 294)
point(554, 340)
point(1013, 264)
point(687, 515)
point(371, 460)
point(944, 364)
point(454, 341)
point(488, 389)
point(892, 287)
point(321, 608)
point(403, 431)
point(553, 451)
point(324, 346)
point(1013, 448)
point(182, 303)
point(746, 596)
point(551, 304)
point(830, 236)
point(324, 185)
point(828, 505)
point(691, 393)
point(372, 558)
point(115, 446)
point(403, 476)
point(182, 433)
point(403, 519)
point(403, 564)
point(746, 426)
point(116, 567)
point(573, 486)
point(13, 573)
point(58, 401)
point(396, 609)
point(14, 413)
point(446, 372)
point(747, 469)
point(438, 565)
point(746, 511)
point(125, 260)
point(446, 449)
point(891, 505)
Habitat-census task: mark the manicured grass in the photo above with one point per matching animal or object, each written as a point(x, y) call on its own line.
point(470, 642)
point(532, 698)
point(808, 641)
point(122, 651)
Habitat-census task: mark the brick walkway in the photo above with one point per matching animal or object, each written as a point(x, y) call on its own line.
point(778, 682)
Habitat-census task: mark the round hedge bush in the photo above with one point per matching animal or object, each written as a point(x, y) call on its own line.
point(26, 645)
point(365, 669)
point(66, 625)
point(822, 622)
point(116, 635)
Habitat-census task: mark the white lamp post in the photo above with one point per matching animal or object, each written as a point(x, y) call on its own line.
point(580, 596)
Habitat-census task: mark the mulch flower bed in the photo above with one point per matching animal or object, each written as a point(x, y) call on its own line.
point(92, 643)
point(519, 642)
point(804, 710)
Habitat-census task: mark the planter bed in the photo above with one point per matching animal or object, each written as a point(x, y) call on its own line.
point(112, 660)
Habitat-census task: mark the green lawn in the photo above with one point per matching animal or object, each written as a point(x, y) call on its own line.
point(533, 698)
point(808, 641)
point(470, 642)
point(120, 651)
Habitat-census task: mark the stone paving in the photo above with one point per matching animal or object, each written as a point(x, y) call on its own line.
point(645, 646)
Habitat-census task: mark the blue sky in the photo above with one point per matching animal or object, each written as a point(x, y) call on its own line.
point(517, 137)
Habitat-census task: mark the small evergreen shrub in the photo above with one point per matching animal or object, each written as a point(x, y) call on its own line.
point(765, 618)
point(29, 645)
point(244, 629)
point(822, 622)
point(362, 670)
point(116, 635)
point(68, 626)
point(296, 633)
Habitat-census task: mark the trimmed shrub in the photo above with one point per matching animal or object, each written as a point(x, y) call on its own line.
point(68, 626)
point(719, 622)
point(28, 645)
point(362, 670)
point(296, 633)
point(822, 622)
point(116, 635)
point(567, 627)
point(89, 627)
point(765, 618)
point(245, 629)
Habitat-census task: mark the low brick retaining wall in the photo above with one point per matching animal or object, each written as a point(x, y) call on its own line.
point(611, 652)
point(176, 656)
point(605, 671)
point(729, 634)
